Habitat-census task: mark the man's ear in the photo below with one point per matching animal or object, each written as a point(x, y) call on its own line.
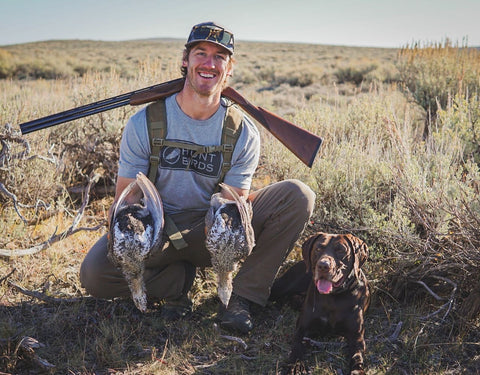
point(230, 70)
point(184, 59)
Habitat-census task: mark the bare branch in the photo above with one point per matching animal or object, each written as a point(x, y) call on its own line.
point(91, 181)
point(394, 336)
point(430, 291)
point(231, 338)
point(13, 197)
point(42, 296)
point(54, 238)
point(448, 305)
point(236, 339)
point(58, 237)
point(27, 346)
point(7, 276)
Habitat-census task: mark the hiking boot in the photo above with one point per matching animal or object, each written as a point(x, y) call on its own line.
point(236, 316)
point(178, 308)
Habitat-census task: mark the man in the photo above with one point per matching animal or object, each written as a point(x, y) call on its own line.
point(186, 182)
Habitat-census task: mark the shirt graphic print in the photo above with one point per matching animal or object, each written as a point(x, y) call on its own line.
point(205, 164)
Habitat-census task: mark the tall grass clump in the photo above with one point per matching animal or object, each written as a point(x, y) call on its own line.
point(461, 119)
point(6, 63)
point(435, 72)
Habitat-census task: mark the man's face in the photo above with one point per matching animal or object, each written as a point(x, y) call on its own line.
point(208, 67)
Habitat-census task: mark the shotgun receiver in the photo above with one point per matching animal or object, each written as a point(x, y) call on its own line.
point(302, 143)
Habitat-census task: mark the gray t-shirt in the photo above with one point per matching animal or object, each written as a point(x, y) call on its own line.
point(187, 183)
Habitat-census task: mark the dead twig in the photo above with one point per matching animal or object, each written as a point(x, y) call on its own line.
point(42, 246)
point(8, 275)
point(14, 198)
point(43, 297)
point(27, 346)
point(430, 291)
point(236, 339)
point(394, 336)
point(231, 338)
point(448, 305)
point(58, 237)
point(17, 204)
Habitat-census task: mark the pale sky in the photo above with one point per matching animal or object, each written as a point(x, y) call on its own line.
point(377, 23)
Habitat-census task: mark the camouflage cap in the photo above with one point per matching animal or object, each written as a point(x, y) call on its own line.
point(213, 33)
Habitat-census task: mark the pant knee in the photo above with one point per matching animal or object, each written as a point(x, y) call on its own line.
point(90, 278)
point(301, 196)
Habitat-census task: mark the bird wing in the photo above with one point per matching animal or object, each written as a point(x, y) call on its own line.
point(153, 203)
point(121, 201)
point(245, 209)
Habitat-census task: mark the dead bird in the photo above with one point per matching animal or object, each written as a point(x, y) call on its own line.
point(229, 237)
point(135, 230)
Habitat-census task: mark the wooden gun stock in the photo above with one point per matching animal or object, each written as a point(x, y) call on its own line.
point(302, 143)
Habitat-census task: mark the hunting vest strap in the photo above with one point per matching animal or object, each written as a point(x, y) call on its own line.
point(232, 127)
point(157, 128)
point(157, 131)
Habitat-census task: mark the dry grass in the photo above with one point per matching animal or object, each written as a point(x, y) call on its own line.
point(414, 201)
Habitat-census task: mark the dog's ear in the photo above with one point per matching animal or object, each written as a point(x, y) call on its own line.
point(307, 249)
point(360, 252)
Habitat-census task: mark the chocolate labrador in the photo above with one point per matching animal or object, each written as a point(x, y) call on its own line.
point(337, 296)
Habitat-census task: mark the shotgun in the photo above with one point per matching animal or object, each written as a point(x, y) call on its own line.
point(302, 143)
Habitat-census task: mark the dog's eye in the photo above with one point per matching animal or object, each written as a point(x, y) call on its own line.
point(342, 253)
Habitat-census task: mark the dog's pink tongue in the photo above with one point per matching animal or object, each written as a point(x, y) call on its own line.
point(324, 286)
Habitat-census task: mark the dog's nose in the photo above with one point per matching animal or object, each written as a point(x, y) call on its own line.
point(324, 265)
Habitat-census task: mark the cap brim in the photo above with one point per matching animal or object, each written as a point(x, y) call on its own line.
point(193, 42)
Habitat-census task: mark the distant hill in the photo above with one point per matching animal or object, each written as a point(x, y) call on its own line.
point(63, 58)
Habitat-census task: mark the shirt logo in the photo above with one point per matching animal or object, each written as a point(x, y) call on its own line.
point(205, 164)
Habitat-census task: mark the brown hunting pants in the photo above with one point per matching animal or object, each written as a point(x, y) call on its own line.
point(280, 213)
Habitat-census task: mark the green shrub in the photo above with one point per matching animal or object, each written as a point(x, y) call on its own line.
point(461, 119)
point(354, 74)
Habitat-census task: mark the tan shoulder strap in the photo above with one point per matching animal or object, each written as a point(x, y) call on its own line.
point(157, 131)
point(232, 127)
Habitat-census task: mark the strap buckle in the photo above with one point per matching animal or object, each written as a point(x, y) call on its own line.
point(154, 159)
point(160, 142)
point(228, 148)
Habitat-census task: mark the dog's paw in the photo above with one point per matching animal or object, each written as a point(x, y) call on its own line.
point(297, 368)
point(356, 364)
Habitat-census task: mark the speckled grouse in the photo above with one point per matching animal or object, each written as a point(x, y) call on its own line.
point(229, 237)
point(135, 229)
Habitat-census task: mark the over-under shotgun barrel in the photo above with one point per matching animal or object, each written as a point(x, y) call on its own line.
point(166, 89)
point(302, 143)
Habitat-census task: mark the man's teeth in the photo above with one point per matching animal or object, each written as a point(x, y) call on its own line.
point(206, 75)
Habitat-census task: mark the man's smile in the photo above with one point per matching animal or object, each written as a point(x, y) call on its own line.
point(206, 75)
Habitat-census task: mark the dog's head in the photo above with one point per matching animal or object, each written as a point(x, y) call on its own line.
point(334, 259)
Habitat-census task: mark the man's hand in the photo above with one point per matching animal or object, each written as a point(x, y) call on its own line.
point(240, 192)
